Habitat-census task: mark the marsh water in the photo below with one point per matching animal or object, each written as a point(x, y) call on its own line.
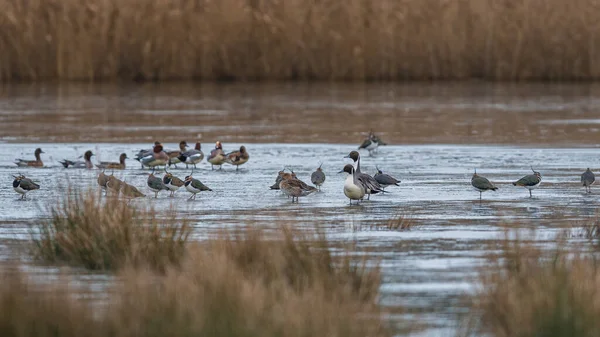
point(437, 134)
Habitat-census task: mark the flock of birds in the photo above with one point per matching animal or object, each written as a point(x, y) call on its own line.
point(357, 184)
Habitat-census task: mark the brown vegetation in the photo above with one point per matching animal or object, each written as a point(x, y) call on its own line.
point(87, 231)
point(299, 39)
point(530, 292)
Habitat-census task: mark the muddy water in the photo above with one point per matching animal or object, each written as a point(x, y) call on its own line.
point(428, 269)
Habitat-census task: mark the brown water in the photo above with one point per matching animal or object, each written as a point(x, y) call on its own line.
point(427, 270)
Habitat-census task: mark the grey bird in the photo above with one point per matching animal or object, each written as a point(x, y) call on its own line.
point(530, 182)
point(22, 185)
point(384, 179)
point(481, 184)
point(194, 186)
point(87, 163)
point(369, 183)
point(191, 157)
point(587, 179)
point(156, 184)
point(318, 177)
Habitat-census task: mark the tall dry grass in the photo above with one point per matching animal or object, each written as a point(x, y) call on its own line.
point(299, 39)
point(527, 291)
point(244, 283)
point(107, 234)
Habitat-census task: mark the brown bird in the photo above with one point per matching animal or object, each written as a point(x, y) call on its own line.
point(237, 158)
point(295, 187)
point(31, 163)
point(173, 183)
point(112, 165)
point(217, 156)
point(130, 191)
point(174, 155)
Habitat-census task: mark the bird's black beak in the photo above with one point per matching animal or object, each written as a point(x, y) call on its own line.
point(348, 156)
point(342, 171)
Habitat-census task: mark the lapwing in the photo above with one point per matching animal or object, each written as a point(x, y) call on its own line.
point(587, 179)
point(385, 179)
point(481, 184)
point(194, 186)
point(530, 182)
point(173, 183)
point(22, 185)
point(318, 177)
point(31, 163)
point(156, 184)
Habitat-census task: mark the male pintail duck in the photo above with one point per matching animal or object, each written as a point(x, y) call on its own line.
point(156, 184)
point(530, 182)
point(587, 179)
point(173, 183)
point(87, 163)
point(22, 185)
point(143, 153)
point(173, 155)
point(294, 187)
point(112, 165)
point(191, 157)
point(31, 163)
point(157, 158)
point(385, 179)
point(130, 191)
point(194, 186)
point(318, 177)
point(369, 183)
point(353, 189)
point(237, 158)
point(481, 184)
point(217, 156)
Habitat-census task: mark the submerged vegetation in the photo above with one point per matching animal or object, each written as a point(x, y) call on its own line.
point(298, 39)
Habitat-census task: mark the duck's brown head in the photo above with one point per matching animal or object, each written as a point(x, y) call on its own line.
point(38, 151)
point(156, 143)
point(218, 145)
point(182, 145)
point(197, 146)
point(158, 148)
point(242, 149)
point(354, 155)
point(122, 158)
point(88, 155)
point(287, 176)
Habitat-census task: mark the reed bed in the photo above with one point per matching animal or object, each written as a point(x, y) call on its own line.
point(85, 230)
point(353, 40)
point(527, 291)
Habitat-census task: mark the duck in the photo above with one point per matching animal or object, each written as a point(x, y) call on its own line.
point(481, 184)
point(217, 156)
point(384, 179)
point(191, 157)
point(157, 158)
point(143, 153)
point(275, 186)
point(294, 187)
point(237, 158)
point(587, 179)
point(530, 182)
point(31, 163)
point(369, 183)
point(318, 177)
point(22, 185)
point(130, 191)
point(173, 155)
point(194, 186)
point(86, 163)
point(173, 183)
point(353, 189)
point(112, 165)
point(156, 184)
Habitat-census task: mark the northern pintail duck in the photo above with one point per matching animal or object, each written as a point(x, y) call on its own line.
point(385, 179)
point(530, 182)
point(237, 158)
point(194, 186)
point(294, 187)
point(353, 189)
point(369, 183)
point(318, 177)
point(587, 179)
point(86, 163)
point(173, 183)
point(112, 165)
point(481, 184)
point(130, 191)
point(156, 184)
point(192, 157)
point(157, 158)
point(22, 185)
point(143, 153)
point(174, 155)
point(31, 163)
point(217, 156)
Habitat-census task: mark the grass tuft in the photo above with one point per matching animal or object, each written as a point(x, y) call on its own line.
point(84, 230)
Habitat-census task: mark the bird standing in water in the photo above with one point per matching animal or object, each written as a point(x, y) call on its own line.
point(318, 177)
point(587, 179)
point(22, 185)
point(481, 184)
point(530, 182)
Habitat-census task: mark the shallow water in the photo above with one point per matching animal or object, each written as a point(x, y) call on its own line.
point(427, 269)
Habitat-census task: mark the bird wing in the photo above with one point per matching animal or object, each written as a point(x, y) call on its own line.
point(197, 184)
point(482, 183)
point(386, 179)
point(528, 180)
point(365, 143)
point(29, 185)
point(370, 183)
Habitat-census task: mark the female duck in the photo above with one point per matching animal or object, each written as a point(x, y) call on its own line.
point(217, 156)
point(32, 163)
point(112, 165)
